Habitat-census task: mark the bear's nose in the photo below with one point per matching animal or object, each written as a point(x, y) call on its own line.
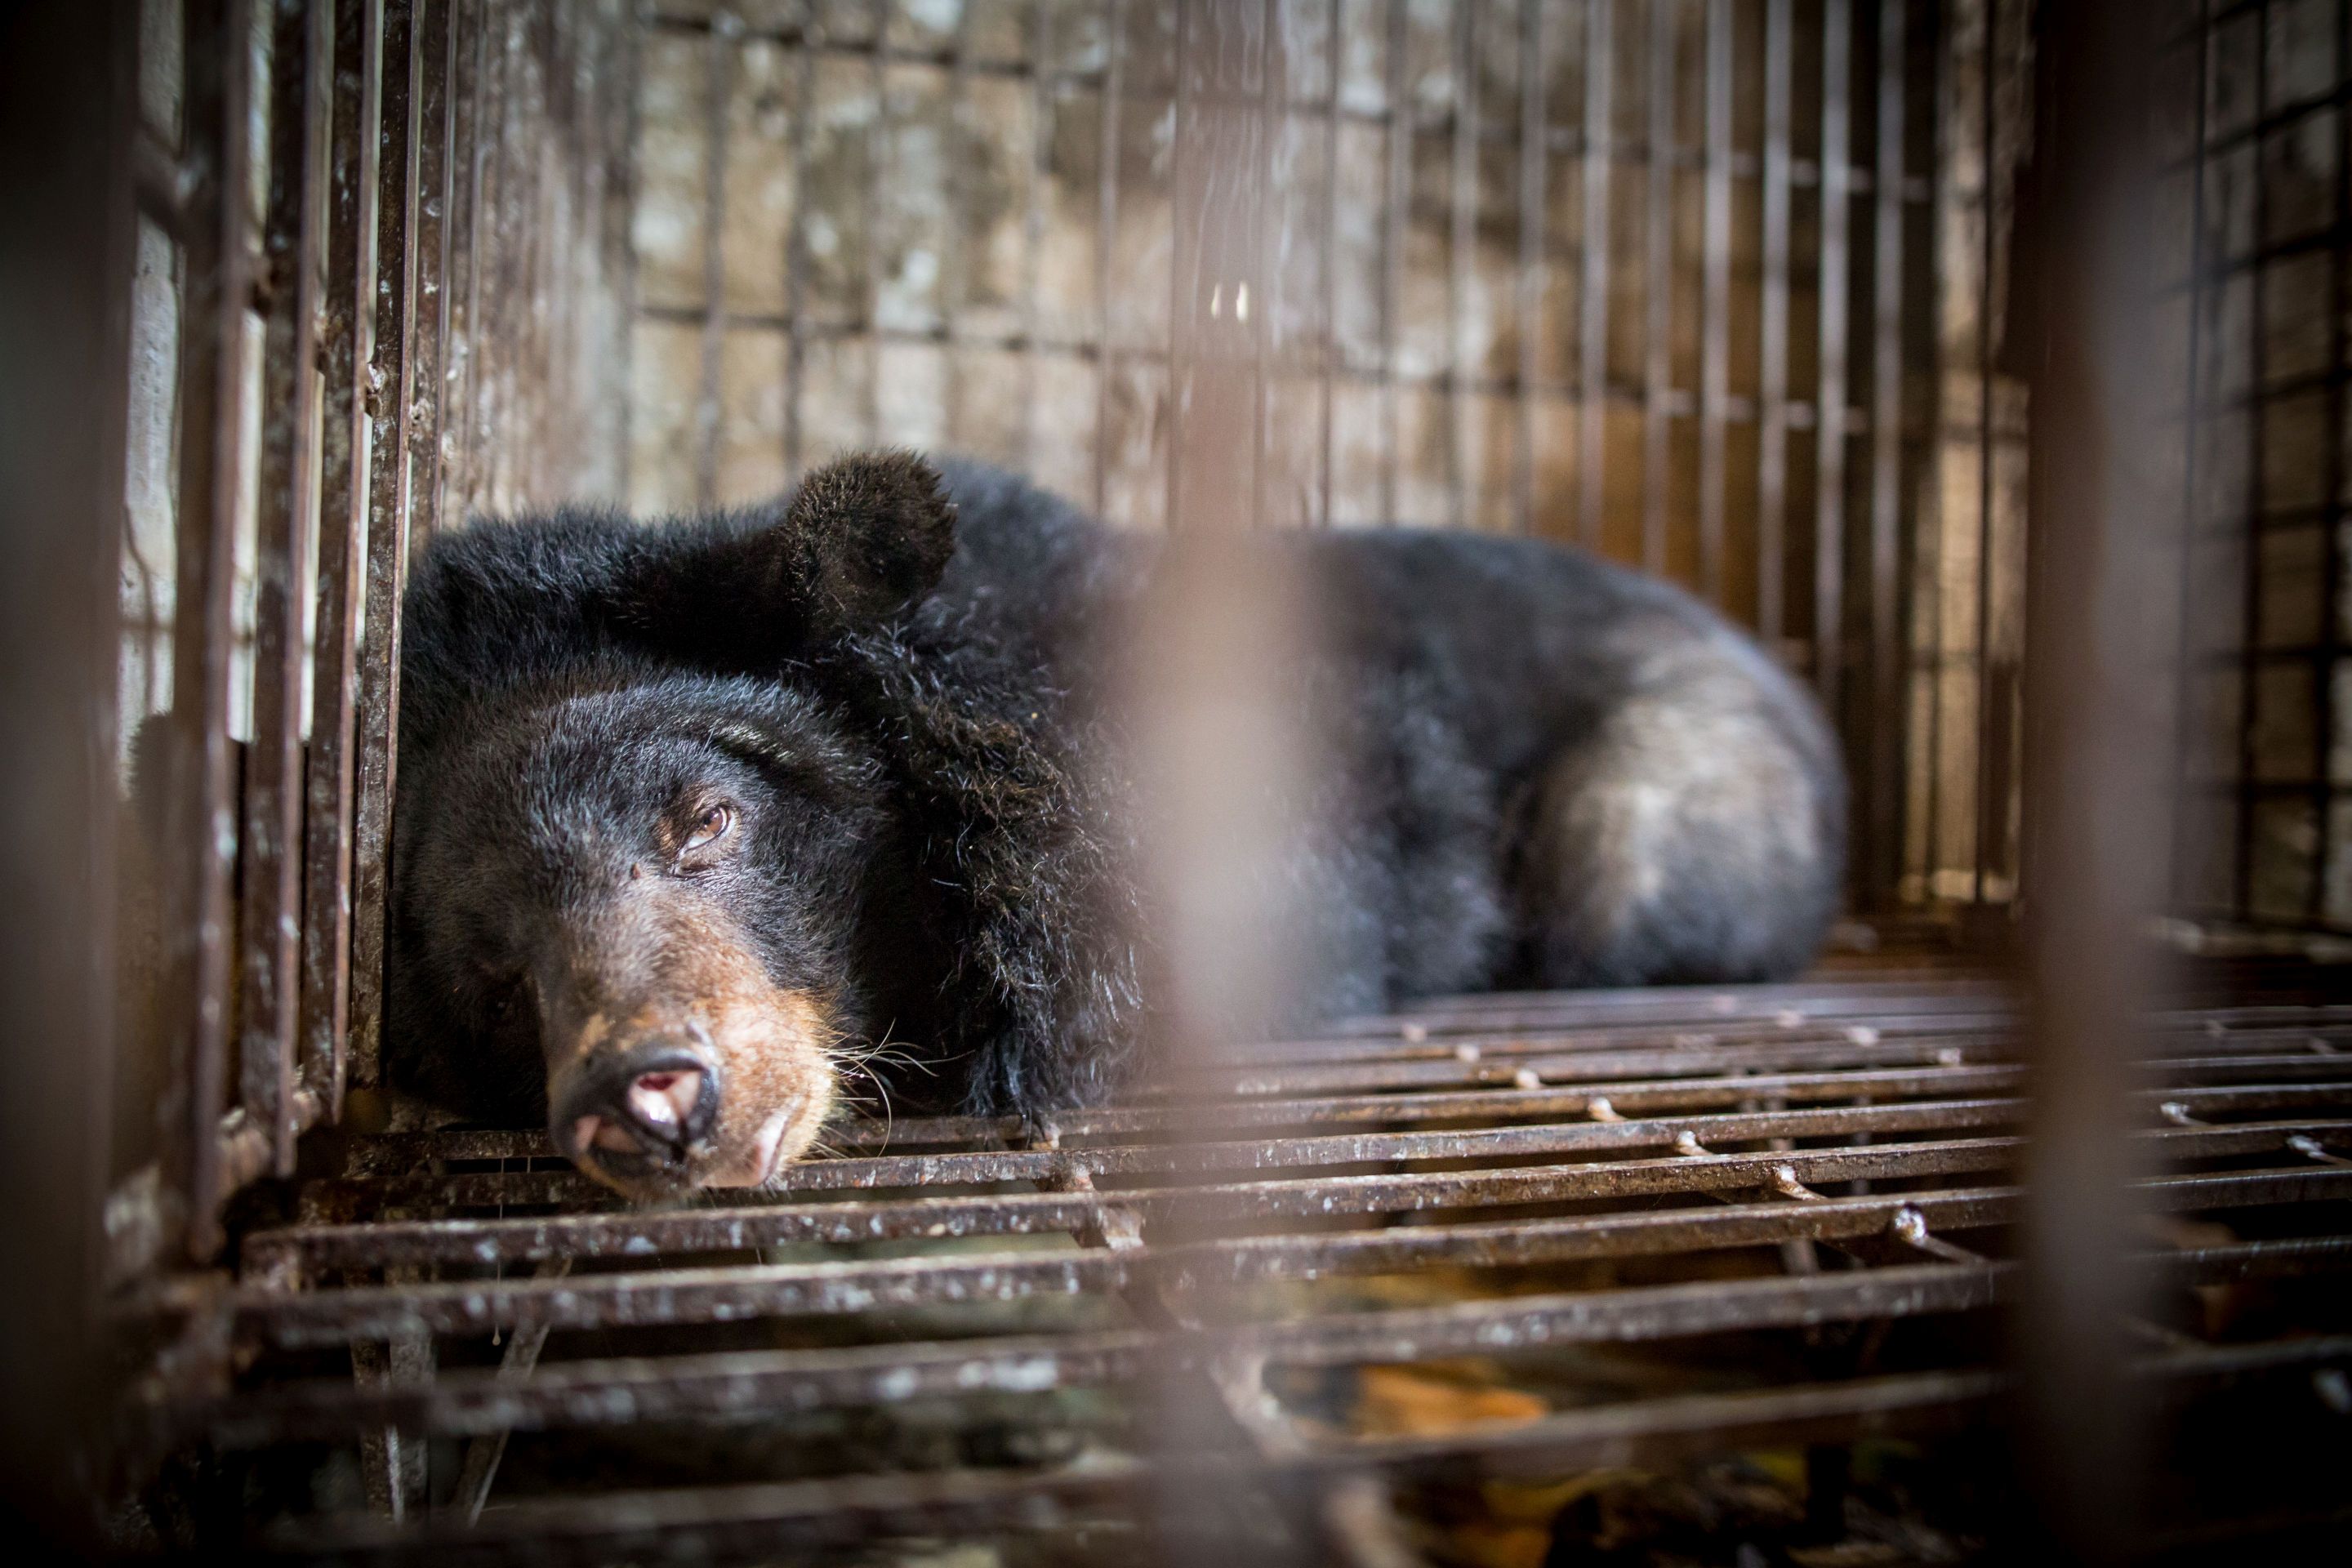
point(652, 1101)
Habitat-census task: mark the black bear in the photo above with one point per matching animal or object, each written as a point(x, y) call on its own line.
point(689, 814)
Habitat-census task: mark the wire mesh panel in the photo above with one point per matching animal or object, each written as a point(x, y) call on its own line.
point(1587, 270)
point(331, 350)
point(2254, 244)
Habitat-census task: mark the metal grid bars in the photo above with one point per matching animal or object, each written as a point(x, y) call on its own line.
point(1585, 269)
point(378, 249)
point(1583, 1187)
point(2255, 240)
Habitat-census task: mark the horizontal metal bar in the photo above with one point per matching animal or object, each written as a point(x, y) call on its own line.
point(402, 1152)
point(1826, 1411)
point(594, 1393)
point(282, 1256)
point(1595, 1065)
point(1368, 1148)
point(726, 1293)
point(588, 1393)
point(758, 1516)
point(1244, 1201)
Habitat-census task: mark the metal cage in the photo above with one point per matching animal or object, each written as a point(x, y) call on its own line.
point(1723, 287)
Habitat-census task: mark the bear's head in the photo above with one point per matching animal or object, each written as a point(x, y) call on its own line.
point(629, 866)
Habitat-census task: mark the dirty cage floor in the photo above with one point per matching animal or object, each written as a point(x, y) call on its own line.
point(1497, 1242)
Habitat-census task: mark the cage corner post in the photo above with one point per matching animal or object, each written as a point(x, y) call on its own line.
point(2094, 786)
point(65, 160)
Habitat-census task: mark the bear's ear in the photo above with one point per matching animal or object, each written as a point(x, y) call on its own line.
point(864, 538)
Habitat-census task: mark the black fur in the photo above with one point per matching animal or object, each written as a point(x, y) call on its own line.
point(1549, 771)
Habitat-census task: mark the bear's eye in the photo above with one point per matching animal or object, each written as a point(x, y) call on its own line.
point(713, 827)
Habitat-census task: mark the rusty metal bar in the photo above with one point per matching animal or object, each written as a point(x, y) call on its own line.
point(220, 256)
point(1987, 410)
point(294, 244)
point(2190, 440)
point(2094, 478)
point(756, 1518)
point(1890, 704)
point(1658, 291)
point(405, 1314)
point(1328, 359)
point(438, 150)
point(2257, 482)
point(460, 270)
point(390, 395)
point(1593, 320)
point(1397, 217)
point(1461, 210)
point(296, 1253)
point(1772, 390)
point(1044, 110)
point(796, 271)
point(1830, 402)
point(1527, 296)
point(955, 264)
point(463, 395)
point(1255, 1201)
point(877, 159)
point(399, 1154)
point(1106, 233)
point(1715, 350)
point(349, 352)
point(69, 126)
point(2329, 674)
point(479, 1468)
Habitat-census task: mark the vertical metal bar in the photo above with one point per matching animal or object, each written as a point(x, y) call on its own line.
point(1327, 265)
point(1530, 278)
point(1043, 111)
point(721, 63)
point(1986, 409)
point(796, 261)
point(1772, 387)
point(1462, 260)
point(1658, 291)
point(478, 250)
point(461, 273)
point(1398, 215)
point(1830, 403)
point(294, 238)
point(532, 371)
point(69, 106)
point(1258, 313)
point(438, 150)
point(392, 390)
point(479, 1468)
point(2093, 474)
point(1592, 330)
point(219, 284)
point(2324, 677)
point(1932, 502)
point(624, 177)
point(878, 150)
point(2251, 525)
point(1714, 350)
point(1106, 236)
point(954, 262)
point(1889, 700)
point(349, 349)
